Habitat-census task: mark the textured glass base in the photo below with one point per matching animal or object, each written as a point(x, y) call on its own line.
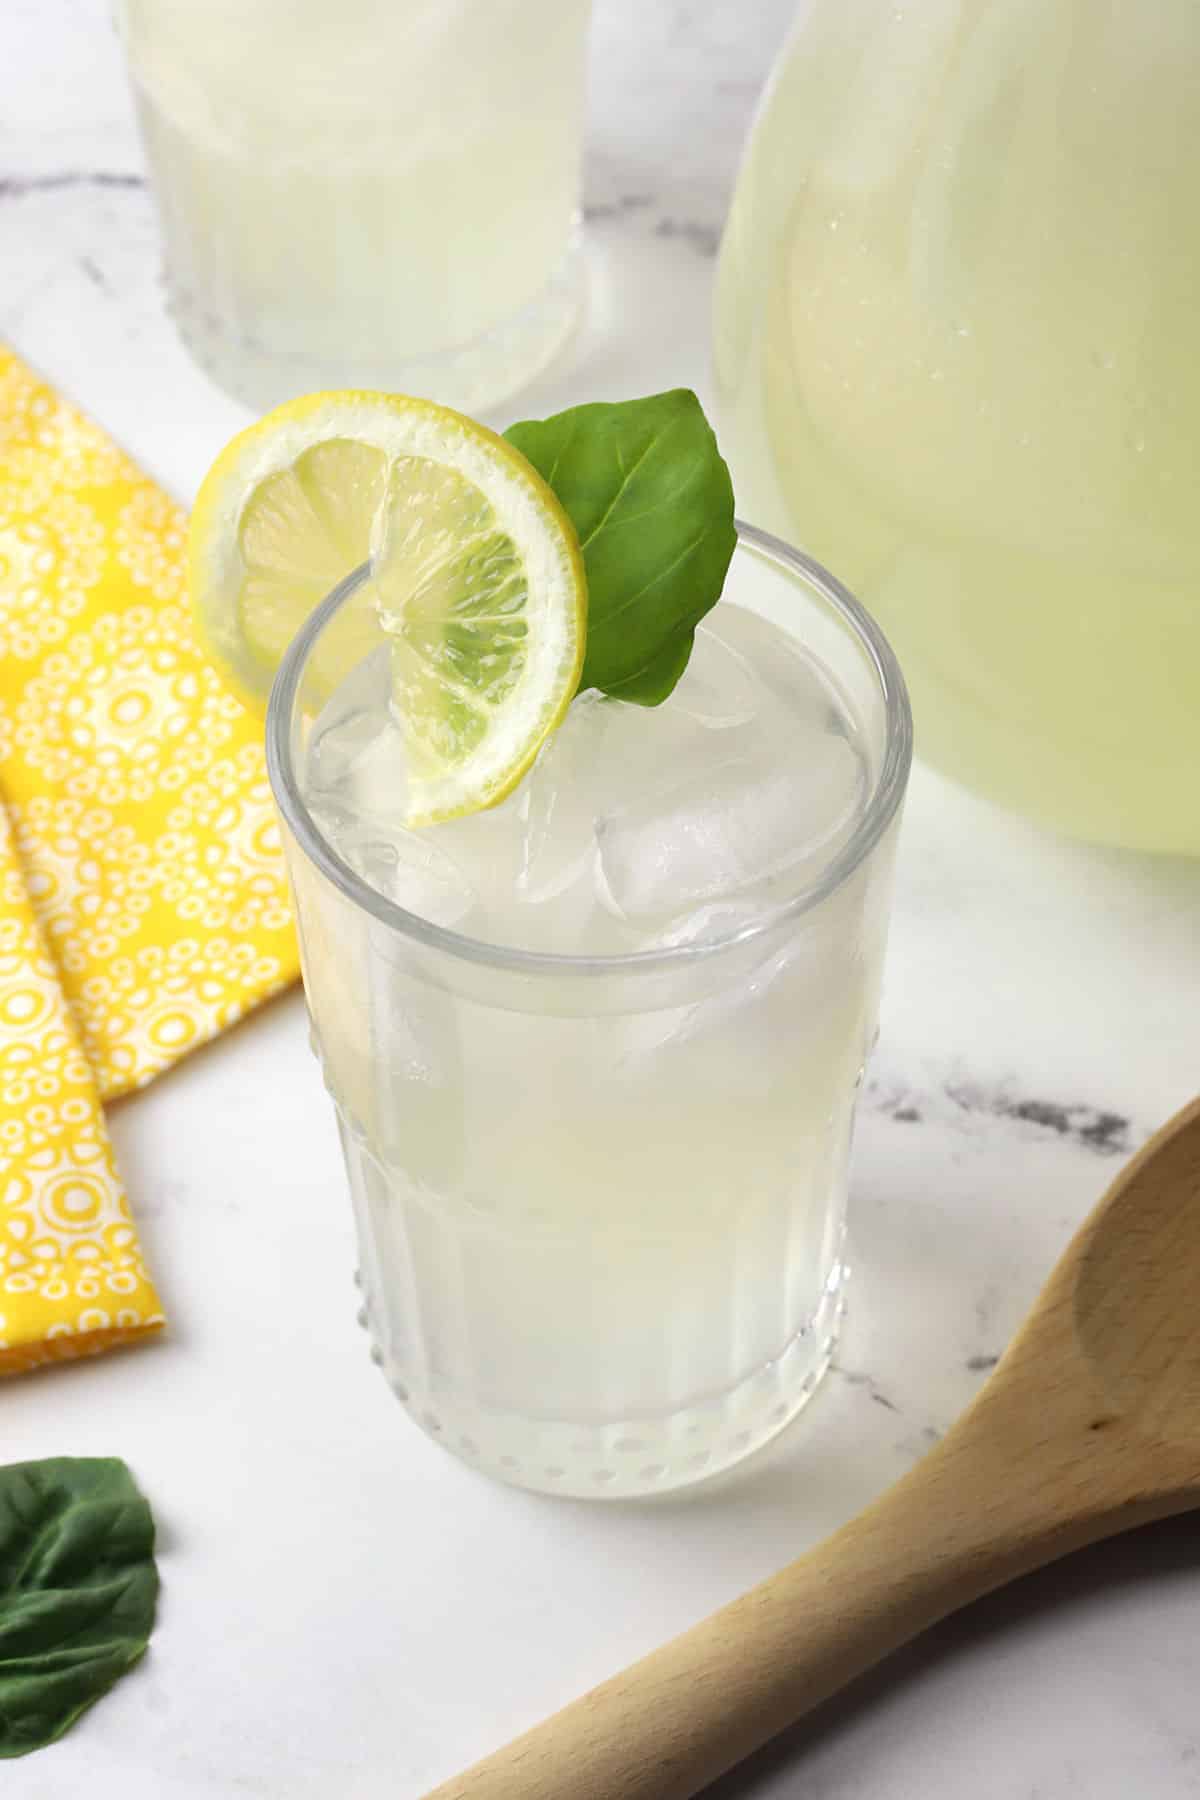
point(472, 377)
point(634, 1456)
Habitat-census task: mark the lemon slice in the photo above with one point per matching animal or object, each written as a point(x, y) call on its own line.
point(478, 579)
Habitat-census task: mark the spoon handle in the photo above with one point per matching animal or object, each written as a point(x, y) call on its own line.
point(980, 1510)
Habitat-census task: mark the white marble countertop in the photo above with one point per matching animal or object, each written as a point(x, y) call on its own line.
point(347, 1611)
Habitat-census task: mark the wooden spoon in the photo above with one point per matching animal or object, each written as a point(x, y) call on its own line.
point(1089, 1425)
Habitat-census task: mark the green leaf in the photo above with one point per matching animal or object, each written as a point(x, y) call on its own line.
point(78, 1587)
point(650, 497)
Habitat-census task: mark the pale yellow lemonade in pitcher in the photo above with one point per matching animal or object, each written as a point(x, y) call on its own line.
point(956, 333)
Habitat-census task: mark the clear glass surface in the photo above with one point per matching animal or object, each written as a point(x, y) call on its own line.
point(600, 1200)
point(955, 318)
point(381, 193)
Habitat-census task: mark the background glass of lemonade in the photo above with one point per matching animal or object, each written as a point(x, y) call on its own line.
point(955, 352)
point(373, 193)
point(600, 1197)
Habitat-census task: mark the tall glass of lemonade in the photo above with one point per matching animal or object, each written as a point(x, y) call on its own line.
point(589, 797)
point(595, 1053)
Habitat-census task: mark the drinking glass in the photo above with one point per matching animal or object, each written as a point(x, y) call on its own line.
point(600, 1200)
point(378, 193)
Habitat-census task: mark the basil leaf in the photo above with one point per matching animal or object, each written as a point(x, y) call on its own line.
point(648, 493)
point(77, 1591)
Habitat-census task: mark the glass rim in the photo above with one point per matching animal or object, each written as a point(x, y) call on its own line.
point(877, 815)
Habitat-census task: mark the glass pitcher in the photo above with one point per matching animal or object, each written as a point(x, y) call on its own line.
point(956, 324)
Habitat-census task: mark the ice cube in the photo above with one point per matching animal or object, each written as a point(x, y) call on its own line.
point(718, 828)
point(748, 812)
point(408, 868)
point(355, 785)
point(558, 800)
point(531, 859)
point(780, 670)
point(347, 729)
point(539, 841)
point(718, 688)
point(483, 846)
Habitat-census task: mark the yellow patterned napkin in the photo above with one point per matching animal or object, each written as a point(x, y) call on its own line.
point(143, 903)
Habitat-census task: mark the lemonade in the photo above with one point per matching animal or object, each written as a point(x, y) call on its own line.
point(954, 330)
point(589, 798)
point(363, 192)
point(595, 1052)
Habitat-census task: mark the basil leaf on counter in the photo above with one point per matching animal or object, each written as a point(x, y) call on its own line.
point(650, 497)
point(77, 1591)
